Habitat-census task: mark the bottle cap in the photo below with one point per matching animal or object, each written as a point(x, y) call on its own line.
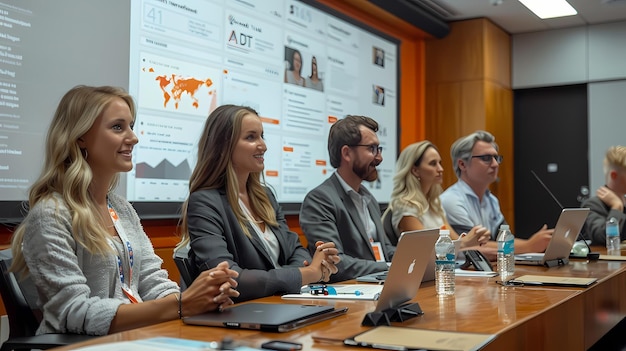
point(504, 227)
point(444, 232)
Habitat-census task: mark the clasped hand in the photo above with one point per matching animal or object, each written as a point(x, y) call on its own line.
point(212, 289)
point(325, 260)
point(477, 236)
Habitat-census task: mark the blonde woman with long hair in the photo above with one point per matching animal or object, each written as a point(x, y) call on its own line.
point(231, 216)
point(82, 245)
point(415, 200)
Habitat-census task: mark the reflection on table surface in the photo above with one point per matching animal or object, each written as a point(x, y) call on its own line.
point(522, 317)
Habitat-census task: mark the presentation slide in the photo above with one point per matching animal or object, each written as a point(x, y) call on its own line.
point(300, 66)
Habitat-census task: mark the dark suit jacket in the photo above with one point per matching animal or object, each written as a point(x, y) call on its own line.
point(595, 225)
point(216, 236)
point(328, 214)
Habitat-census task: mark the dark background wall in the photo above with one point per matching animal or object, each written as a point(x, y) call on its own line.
point(550, 129)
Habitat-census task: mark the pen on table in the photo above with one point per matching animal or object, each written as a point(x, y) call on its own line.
point(322, 289)
point(522, 283)
point(333, 291)
point(356, 292)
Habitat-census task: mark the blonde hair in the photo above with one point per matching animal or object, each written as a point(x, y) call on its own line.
point(407, 188)
point(66, 170)
point(614, 159)
point(214, 169)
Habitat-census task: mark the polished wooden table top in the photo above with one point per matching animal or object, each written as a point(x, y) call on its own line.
point(521, 316)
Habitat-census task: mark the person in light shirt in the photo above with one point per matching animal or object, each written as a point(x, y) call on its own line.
point(468, 202)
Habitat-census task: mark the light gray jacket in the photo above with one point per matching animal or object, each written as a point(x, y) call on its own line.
point(80, 292)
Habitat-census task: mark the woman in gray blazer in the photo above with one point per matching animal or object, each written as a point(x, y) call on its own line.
point(231, 216)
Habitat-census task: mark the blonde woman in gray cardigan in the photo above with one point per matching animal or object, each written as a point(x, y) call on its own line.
point(83, 246)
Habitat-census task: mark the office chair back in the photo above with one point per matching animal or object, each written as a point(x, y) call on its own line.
point(388, 227)
point(24, 319)
point(183, 263)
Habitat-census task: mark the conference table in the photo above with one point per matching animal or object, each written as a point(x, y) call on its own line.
point(520, 317)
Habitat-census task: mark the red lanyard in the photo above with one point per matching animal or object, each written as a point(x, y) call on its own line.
point(126, 287)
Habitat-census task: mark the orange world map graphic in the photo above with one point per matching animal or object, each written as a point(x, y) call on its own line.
point(178, 85)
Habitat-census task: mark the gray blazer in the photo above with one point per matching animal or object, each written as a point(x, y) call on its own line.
point(595, 225)
point(216, 236)
point(328, 214)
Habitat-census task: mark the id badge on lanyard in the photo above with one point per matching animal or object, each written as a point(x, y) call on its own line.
point(128, 251)
point(377, 247)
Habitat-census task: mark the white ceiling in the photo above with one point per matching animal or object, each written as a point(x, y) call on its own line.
point(515, 18)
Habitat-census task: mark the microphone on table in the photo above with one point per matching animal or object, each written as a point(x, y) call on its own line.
point(590, 255)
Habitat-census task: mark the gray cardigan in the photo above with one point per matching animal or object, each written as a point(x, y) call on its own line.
point(80, 292)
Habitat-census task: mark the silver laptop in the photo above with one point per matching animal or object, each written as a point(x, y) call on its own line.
point(270, 317)
point(565, 234)
point(429, 274)
point(408, 266)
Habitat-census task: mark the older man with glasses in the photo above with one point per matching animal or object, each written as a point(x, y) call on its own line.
point(468, 202)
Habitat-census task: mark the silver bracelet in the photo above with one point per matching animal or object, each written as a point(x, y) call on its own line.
point(179, 299)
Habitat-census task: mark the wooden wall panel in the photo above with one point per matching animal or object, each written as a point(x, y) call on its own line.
point(473, 106)
point(499, 121)
point(497, 54)
point(468, 84)
point(443, 116)
point(412, 93)
point(444, 122)
point(457, 57)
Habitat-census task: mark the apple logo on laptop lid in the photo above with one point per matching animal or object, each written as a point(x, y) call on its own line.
point(411, 266)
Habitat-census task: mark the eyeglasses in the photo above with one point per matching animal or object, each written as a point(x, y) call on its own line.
point(374, 149)
point(487, 158)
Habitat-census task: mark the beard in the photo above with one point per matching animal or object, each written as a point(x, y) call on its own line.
point(364, 172)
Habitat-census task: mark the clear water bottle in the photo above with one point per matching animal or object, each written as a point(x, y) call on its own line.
point(612, 237)
point(506, 253)
point(445, 263)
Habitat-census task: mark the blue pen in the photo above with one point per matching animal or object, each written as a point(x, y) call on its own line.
point(333, 291)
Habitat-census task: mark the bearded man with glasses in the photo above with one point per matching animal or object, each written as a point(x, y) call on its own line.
point(468, 202)
point(344, 211)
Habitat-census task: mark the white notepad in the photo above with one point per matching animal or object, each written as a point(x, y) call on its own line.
point(342, 292)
